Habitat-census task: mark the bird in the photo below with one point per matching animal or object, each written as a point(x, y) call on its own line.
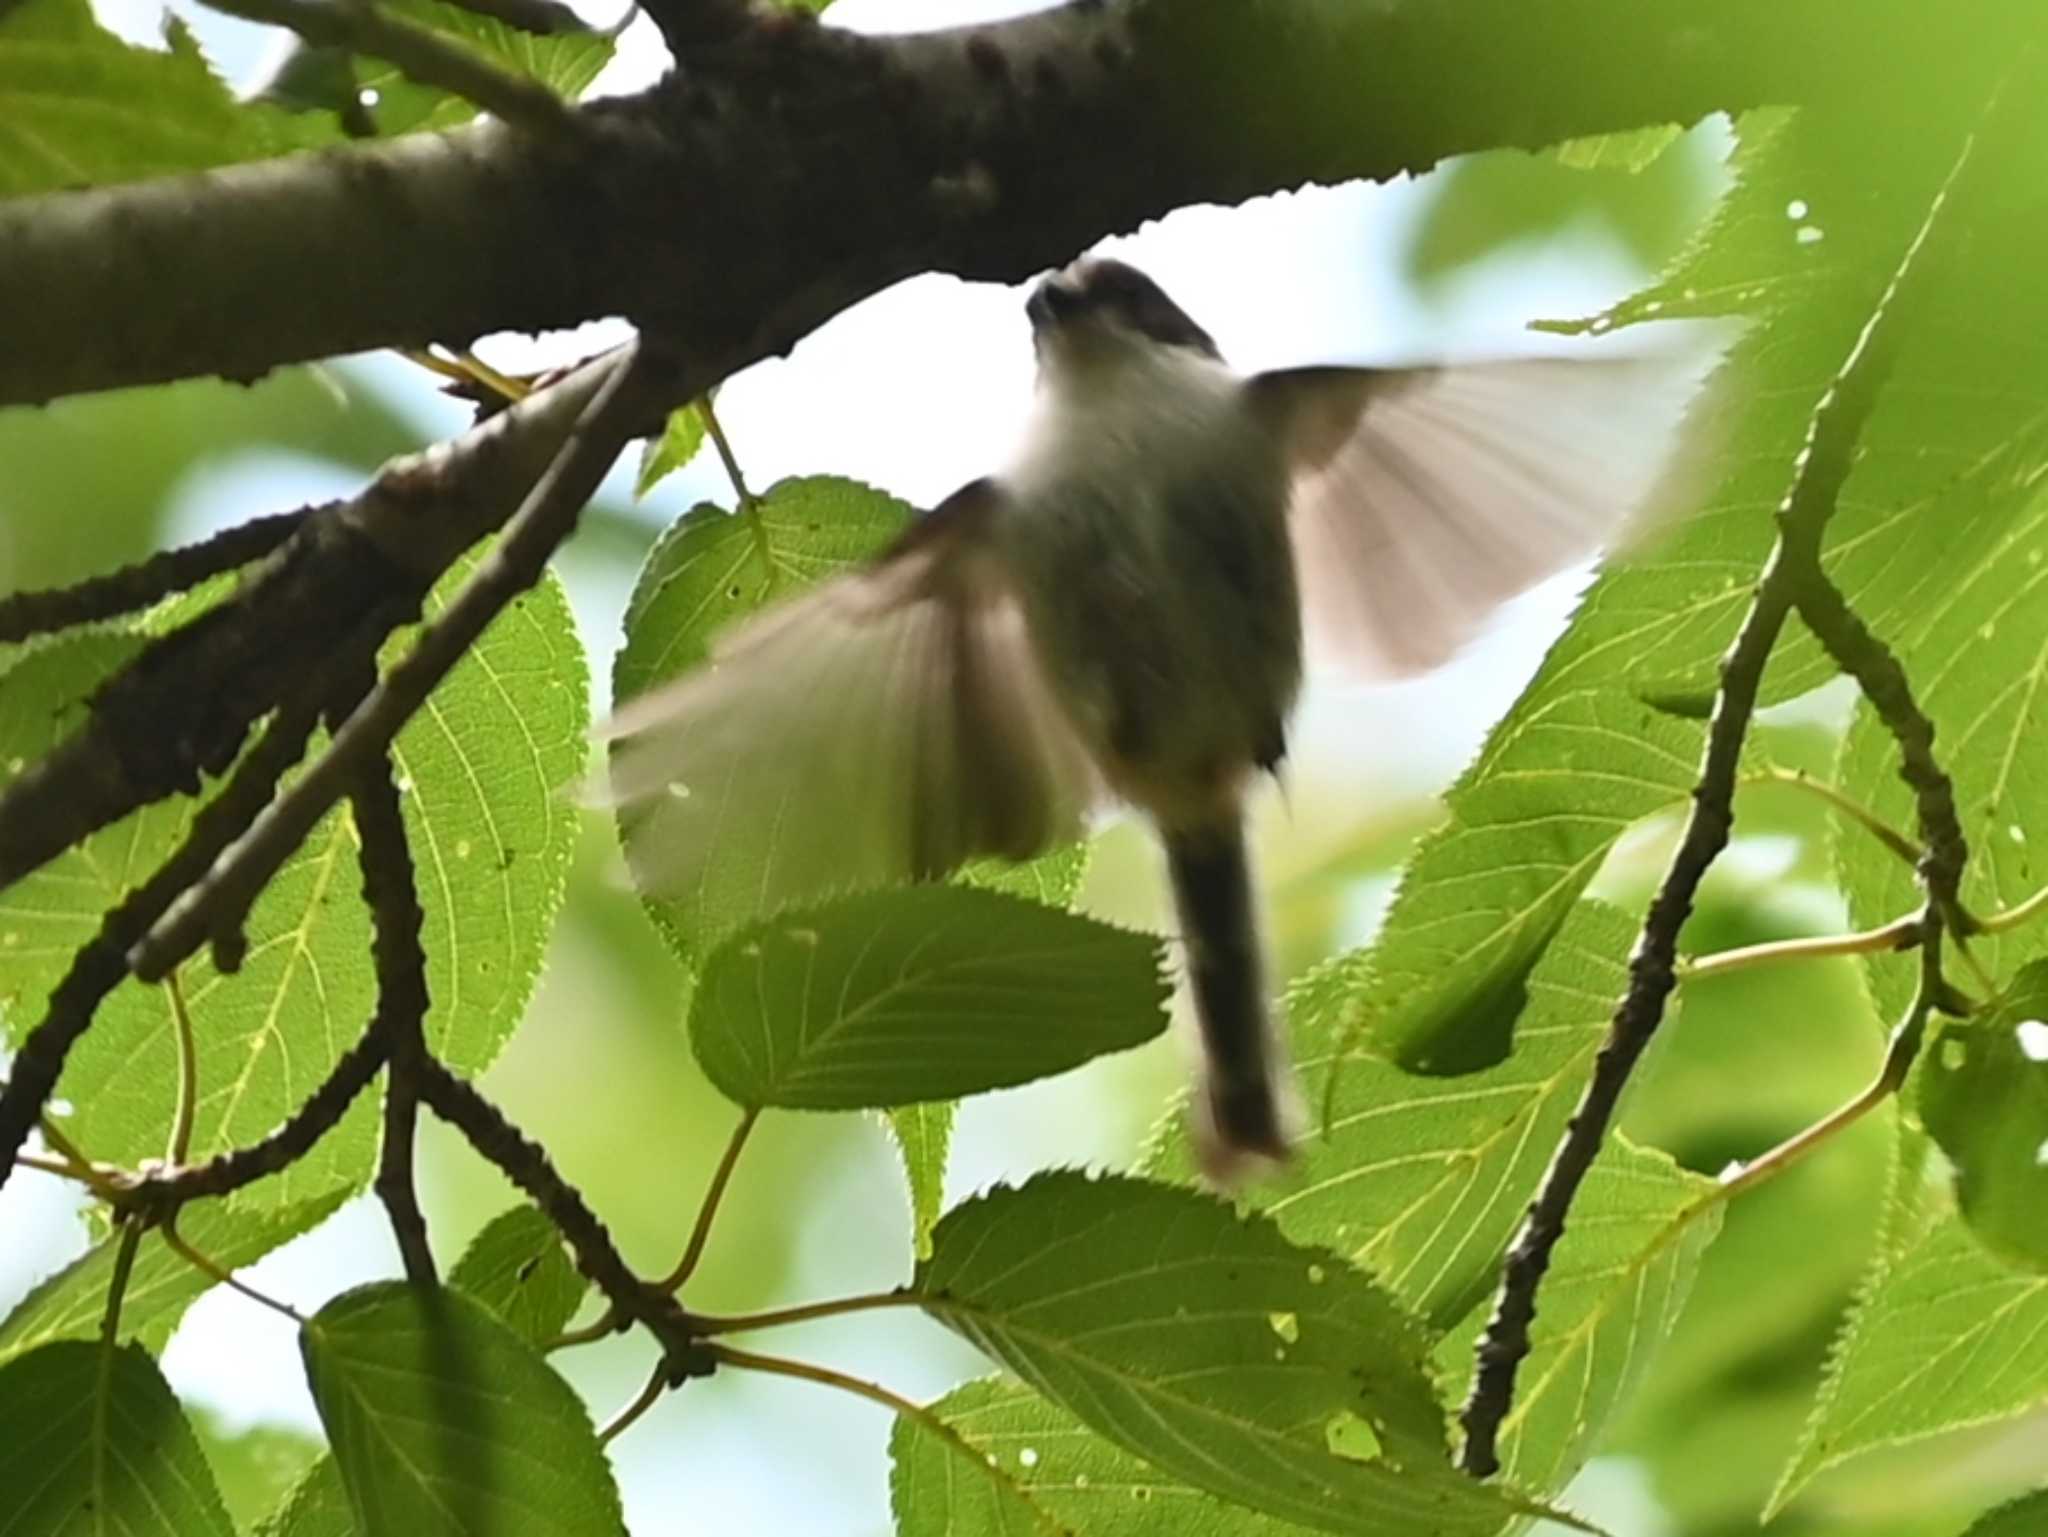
point(1124, 614)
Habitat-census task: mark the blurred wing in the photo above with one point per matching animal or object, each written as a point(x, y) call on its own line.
point(1424, 498)
point(883, 727)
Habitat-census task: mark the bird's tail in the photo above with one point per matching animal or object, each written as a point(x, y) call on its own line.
point(1245, 1105)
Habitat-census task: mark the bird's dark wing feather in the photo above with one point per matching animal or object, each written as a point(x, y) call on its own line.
point(885, 726)
point(1424, 498)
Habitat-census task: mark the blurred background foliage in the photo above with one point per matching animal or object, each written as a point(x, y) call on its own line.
point(600, 1072)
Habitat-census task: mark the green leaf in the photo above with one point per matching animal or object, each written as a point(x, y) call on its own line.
point(81, 108)
point(919, 993)
point(317, 1507)
point(482, 767)
point(1042, 1473)
point(677, 446)
point(445, 1421)
point(1984, 1096)
point(1632, 150)
point(1581, 756)
point(1617, 1283)
point(711, 568)
point(257, 1467)
point(1420, 1180)
point(923, 1134)
point(162, 1284)
point(519, 1268)
point(2026, 1516)
point(1204, 1342)
point(92, 1441)
point(1944, 1336)
point(565, 61)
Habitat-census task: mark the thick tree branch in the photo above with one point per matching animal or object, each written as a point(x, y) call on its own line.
point(793, 169)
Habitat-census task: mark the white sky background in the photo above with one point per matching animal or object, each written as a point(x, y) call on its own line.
point(917, 390)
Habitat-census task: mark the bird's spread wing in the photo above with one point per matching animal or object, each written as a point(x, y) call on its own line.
point(883, 727)
point(1424, 498)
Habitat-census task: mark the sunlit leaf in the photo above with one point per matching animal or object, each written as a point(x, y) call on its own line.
point(1946, 1335)
point(711, 568)
point(926, 992)
point(1617, 1282)
point(445, 1421)
point(923, 1134)
point(1206, 1343)
point(258, 1467)
point(79, 107)
point(162, 1282)
point(676, 447)
point(1984, 1096)
point(565, 61)
point(92, 1442)
point(482, 766)
point(1582, 754)
point(1036, 1471)
point(1422, 1180)
point(519, 1268)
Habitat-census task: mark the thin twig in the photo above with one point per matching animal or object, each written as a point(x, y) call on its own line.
point(101, 962)
point(1848, 805)
point(1792, 571)
point(544, 520)
point(419, 53)
point(700, 1234)
point(1899, 934)
point(527, 1164)
point(776, 1318)
point(645, 1399)
point(137, 586)
point(874, 1393)
point(219, 1273)
point(179, 1146)
point(726, 456)
point(389, 891)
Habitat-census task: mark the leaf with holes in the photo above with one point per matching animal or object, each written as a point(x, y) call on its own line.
point(1584, 754)
point(566, 61)
point(1205, 1343)
point(1984, 1097)
point(922, 993)
point(445, 1421)
point(482, 767)
point(1030, 1469)
point(93, 1442)
point(519, 1268)
point(1617, 1282)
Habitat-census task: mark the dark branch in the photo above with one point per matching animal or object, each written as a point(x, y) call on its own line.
point(1792, 576)
point(327, 598)
point(164, 1190)
point(527, 1165)
point(138, 586)
point(101, 964)
point(390, 892)
point(547, 517)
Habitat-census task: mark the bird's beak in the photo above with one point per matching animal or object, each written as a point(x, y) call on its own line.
point(1054, 302)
